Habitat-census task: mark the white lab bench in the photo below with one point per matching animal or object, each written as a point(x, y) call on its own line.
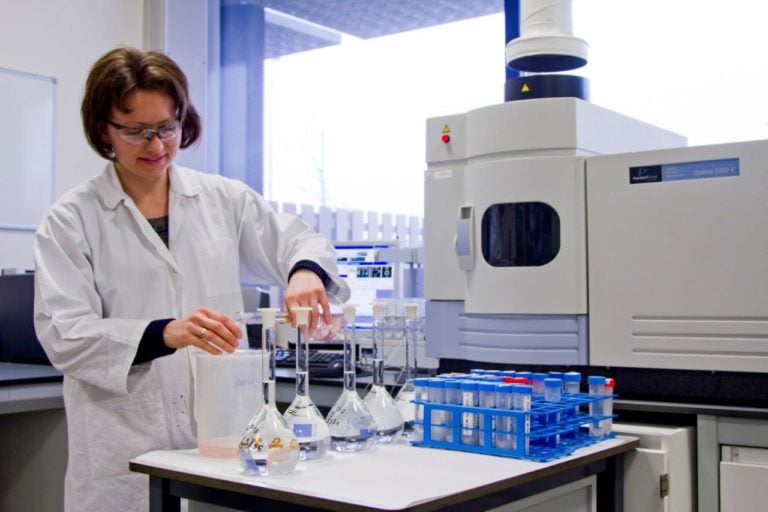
point(394, 477)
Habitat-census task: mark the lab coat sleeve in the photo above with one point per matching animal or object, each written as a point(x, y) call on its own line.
point(68, 310)
point(271, 243)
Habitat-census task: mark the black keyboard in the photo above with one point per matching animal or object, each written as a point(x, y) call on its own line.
point(321, 364)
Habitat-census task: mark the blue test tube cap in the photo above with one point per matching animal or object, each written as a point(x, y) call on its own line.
point(508, 373)
point(421, 381)
point(553, 383)
point(596, 380)
point(538, 376)
point(556, 375)
point(503, 387)
point(468, 385)
point(522, 389)
point(572, 377)
point(436, 383)
point(486, 386)
point(452, 384)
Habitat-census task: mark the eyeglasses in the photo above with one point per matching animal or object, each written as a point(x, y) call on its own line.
point(139, 135)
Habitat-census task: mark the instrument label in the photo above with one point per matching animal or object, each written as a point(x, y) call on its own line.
point(705, 169)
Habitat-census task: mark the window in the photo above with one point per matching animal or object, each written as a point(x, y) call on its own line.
point(344, 125)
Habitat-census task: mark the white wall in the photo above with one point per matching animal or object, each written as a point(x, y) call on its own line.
point(62, 39)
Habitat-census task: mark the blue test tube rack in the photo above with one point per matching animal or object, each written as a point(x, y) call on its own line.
point(571, 429)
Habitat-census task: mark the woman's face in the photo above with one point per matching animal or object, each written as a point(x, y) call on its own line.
point(144, 156)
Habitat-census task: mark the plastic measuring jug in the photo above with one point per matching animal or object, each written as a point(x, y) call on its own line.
point(227, 394)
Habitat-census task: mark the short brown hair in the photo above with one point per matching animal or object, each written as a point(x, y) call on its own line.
point(123, 70)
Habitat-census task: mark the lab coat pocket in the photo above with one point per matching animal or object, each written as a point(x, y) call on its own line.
point(123, 428)
point(220, 268)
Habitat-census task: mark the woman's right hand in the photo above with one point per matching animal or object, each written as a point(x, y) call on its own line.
point(204, 328)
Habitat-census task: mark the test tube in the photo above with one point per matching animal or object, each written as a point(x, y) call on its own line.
point(608, 389)
point(452, 397)
point(419, 393)
point(552, 393)
point(469, 398)
point(503, 436)
point(572, 382)
point(596, 385)
point(436, 391)
point(487, 399)
point(537, 380)
point(555, 375)
point(521, 401)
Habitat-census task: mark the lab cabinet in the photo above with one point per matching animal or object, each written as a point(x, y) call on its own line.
point(658, 475)
point(579, 496)
point(743, 478)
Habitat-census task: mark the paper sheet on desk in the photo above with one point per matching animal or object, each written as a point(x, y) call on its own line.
point(389, 477)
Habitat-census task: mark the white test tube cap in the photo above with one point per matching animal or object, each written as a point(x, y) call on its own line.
point(268, 316)
point(379, 310)
point(350, 310)
point(302, 314)
point(411, 311)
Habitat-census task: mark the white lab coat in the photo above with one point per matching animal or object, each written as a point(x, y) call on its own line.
point(102, 274)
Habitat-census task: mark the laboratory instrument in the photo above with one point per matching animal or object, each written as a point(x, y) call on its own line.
point(386, 414)
point(514, 257)
point(302, 415)
point(406, 394)
point(268, 446)
point(351, 424)
point(227, 393)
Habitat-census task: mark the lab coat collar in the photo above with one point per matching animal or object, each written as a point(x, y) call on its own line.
point(111, 191)
point(183, 183)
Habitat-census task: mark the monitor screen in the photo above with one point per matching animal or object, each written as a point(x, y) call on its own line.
point(18, 342)
point(370, 277)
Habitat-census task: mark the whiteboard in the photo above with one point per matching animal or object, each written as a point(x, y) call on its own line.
point(27, 111)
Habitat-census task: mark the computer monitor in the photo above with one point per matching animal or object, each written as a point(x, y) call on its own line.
point(18, 341)
point(370, 277)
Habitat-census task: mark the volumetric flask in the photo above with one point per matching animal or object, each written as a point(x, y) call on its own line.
point(302, 415)
point(268, 446)
point(351, 424)
point(389, 421)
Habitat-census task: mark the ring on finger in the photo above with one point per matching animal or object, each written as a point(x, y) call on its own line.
point(202, 332)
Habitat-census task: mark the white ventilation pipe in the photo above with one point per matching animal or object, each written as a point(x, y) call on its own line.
point(546, 41)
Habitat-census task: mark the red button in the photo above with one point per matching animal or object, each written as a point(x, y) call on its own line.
point(445, 138)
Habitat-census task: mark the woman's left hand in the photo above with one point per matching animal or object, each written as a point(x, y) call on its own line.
point(306, 289)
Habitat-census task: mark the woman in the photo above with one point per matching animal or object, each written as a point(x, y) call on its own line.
point(144, 261)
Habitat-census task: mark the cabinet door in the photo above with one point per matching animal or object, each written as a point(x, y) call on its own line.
point(743, 474)
point(643, 468)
